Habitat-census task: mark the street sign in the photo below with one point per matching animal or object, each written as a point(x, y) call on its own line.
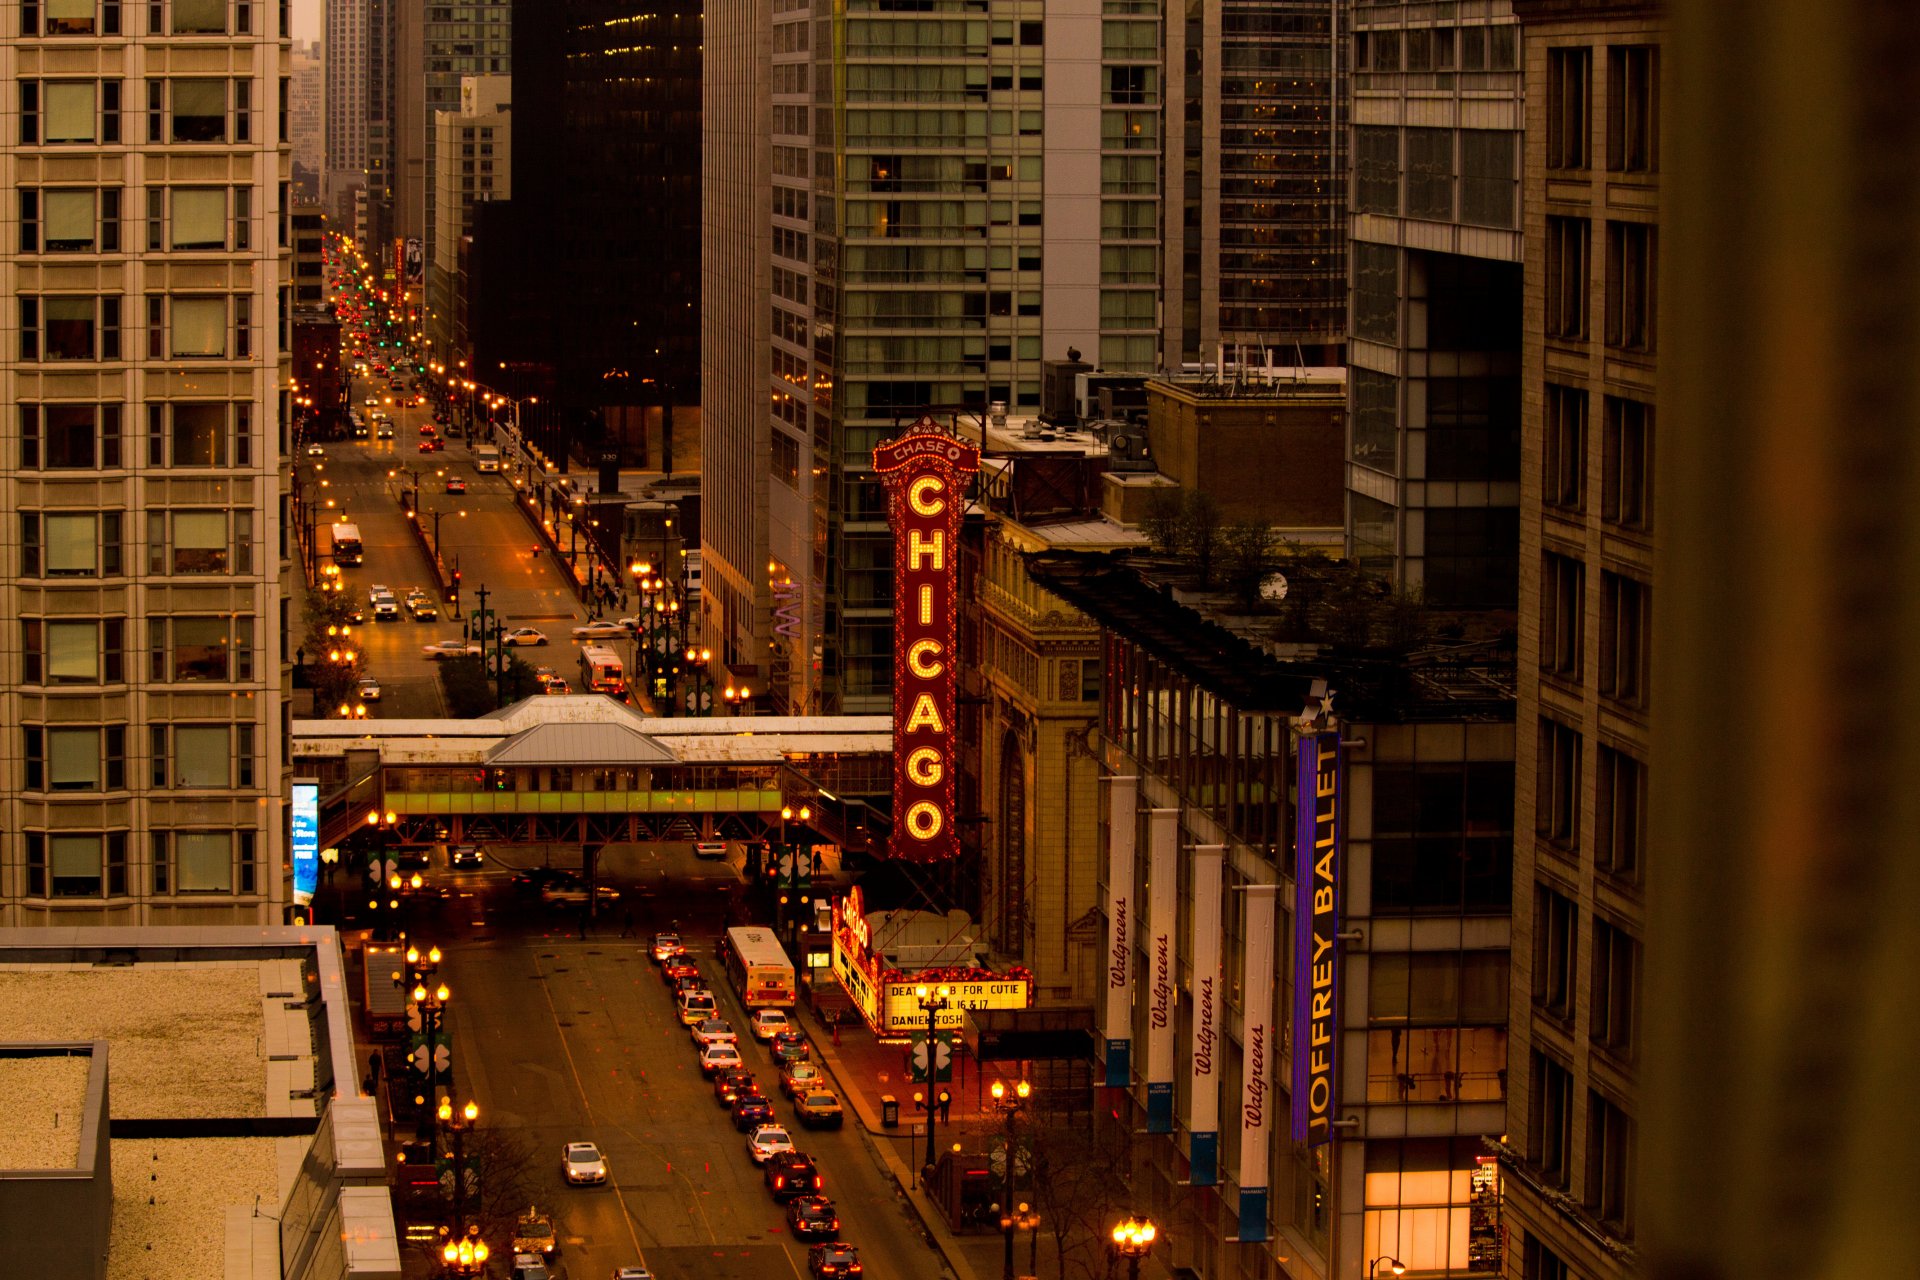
point(942, 1060)
point(796, 864)
point(997, 1159)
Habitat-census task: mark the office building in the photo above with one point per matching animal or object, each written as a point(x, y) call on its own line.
point(349, 105)
point(306, 120)
point(473, 152)
point(144, 366)
point(1434, 450)
point(1587, 544)
point(946, 202)
point(1255, 147)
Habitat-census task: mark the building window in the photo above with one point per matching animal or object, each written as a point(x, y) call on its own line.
point(1550, 1120)
point(1624, 622)
point(1430, 174)
point(199, 218)
point(1626, 490)
point(81, 437)
point(76, 865)
point(1424, 1205)
point(1563, 588)
point(1443, 838)
point(197, 327)
point(199, 110)
point(198, 17)
point(1569, 107)
point(1557, 804)
point(1630, 286)
point(69, 328)
point(1566, 295)
point(71, 651)
point(1538, 1262)
point(1620, 810)
point(70, 220)
point(1375, 413)
point(1376, 168)
point(1437, 1027)
point(1555, 925)
point(1563, 465)
point(202, 649)
point(1376, 292)
point(1633, 108)
point(1465, 567)
point(1609, 1181)
point(201, 755)
point(203, 862)
point(1488, 181)
point(198, 544)
point(1616, 966)
point(70, 544)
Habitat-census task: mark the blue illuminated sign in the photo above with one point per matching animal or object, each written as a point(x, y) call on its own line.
point(306, 841)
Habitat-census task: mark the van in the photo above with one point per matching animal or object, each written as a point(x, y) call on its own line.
point(696, 1007)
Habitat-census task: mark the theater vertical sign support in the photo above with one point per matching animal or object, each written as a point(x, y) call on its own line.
point(1316, 963)
point(926, 472)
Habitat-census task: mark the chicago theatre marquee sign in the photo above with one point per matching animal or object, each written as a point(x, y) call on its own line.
point(926, 473)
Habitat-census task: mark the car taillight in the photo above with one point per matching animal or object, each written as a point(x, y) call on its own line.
point(836, 1224)
point(780, 1180)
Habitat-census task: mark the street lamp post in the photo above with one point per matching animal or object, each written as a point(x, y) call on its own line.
point(700, 696)
point(432, 1006)
point(457, 1124)
point(1393, 1265)
point(932, 1000)
point(1133, 1240)
point(1009, 1102)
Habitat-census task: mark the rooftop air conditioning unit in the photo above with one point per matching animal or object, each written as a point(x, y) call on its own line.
point(1128, 451)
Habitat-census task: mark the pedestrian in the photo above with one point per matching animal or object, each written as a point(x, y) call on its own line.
point(626, 923)
point(834, 1022)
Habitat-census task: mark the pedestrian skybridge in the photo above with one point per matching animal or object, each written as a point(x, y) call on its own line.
point(583, 769)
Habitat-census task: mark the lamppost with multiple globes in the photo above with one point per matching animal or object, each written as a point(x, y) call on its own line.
point(932, 1000)
point(457, 1123)
point(432, 1005)
point(1009, 1103)
point(1133, 1240)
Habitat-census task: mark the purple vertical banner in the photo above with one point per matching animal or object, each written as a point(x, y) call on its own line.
point(1316, 962)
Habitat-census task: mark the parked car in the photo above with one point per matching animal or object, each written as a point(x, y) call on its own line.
point(750, 1111)
point(812, 1218)
point(524, 636)
point(768, 1023)
point(763, 1142)
point(582, 1164)
point(819, 1109)
point(452, 649)
point(790, 1046)
point(790, 1173)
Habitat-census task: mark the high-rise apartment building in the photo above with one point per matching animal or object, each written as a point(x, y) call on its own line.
point(1587, 540)
point(1434, 443)
point(1255, 220)
point(144, 678)
point(349, 105)
point(949, 198)
point(473, 149)
point(306, 125)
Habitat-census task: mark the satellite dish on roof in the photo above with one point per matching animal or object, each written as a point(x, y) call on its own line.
point(1273, 588)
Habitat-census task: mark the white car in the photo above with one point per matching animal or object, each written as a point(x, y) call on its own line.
point(763, 1142)
point(710, 848)
point(716, 1058)
point(315, 451)
point(451, 649)
point(599, 631)
point(714, 1031)
point(768, 1023)
point(582, 1164)
point(524, 635)
point(369, 689)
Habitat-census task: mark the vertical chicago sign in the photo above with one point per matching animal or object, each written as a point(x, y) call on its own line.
point(926, 472)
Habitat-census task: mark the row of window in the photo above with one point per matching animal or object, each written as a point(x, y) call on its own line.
point(93, 864)
point(1629, 295)
point(1626, 624)
point(1607, 1187)
point(1467, 48)
point(1620, 801)
point(91, 544)
point(180, 650)
point(1626, 457)
point(89, 328)
point(1633, 108)
point(89, 437)
point(192, 757)
point(178, 219)
point(1410, 173)
point(178, 110)
point(164, 17)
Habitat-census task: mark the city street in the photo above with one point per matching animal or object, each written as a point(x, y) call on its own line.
point(481, 531)
point(569, 1039)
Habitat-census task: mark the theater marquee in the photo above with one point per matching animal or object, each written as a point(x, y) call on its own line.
point(926, 473)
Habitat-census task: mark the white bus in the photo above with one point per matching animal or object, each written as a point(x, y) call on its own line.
point(486, 457)
point(758, 967)
point(346, 544)
point(601, 671)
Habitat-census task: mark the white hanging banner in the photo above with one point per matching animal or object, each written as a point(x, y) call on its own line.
point(1163, 905)
point(1203, 1110)
point(1257, 1049)
point(1123, 808)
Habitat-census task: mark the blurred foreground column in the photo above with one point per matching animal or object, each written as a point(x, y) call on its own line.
point(1783, 1114)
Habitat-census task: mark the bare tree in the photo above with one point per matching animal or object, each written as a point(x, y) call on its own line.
point(1200, 533)
point(1249, 553)
point(1078, 1194)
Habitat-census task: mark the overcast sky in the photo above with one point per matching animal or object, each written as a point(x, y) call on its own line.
point(306, 19)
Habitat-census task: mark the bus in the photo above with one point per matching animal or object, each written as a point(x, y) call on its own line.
point(346, 544)
point(758, 967)
point(601, 671)
point(486, 458)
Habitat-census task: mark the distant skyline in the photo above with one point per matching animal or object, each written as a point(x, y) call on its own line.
point(306, 19)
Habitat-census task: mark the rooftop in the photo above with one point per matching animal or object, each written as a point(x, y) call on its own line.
point(45, 1097)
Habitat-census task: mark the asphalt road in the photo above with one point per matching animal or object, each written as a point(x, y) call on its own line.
point(567, 1039)
point(481, 531)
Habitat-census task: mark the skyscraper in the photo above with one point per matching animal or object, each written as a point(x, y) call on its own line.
point(1587, 541)
point(947, 201)
point(349, 105)
point(1434, 445)
point(143, 365)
